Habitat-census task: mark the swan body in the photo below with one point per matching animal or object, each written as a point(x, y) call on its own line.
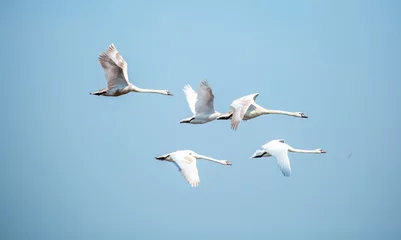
point(245, 108)
point(279, 149)
point(115, 69)
point(185, 160)
point(201, 104)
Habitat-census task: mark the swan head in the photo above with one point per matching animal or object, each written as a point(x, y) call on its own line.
point(227, 162)
point(166, 92)
point(319, 150)
point(301, 115)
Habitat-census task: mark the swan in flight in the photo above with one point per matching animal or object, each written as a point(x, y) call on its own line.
point(185, 160)
point(245, 108)
point(115, 69)
point(279, 150)
point(201, 104)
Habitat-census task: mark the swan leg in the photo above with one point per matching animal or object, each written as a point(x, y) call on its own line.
point(225, 116)
point(100, 92)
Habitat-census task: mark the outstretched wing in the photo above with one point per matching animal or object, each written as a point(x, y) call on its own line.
point(187, 165)
point(239, 108)
point(279, 150)
point(191, 96)
point(283, 163)
point(204, 103)
point(114, 67)
point(113, 53)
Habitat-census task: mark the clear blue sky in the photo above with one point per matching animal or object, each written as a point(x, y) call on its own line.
point(75, 166)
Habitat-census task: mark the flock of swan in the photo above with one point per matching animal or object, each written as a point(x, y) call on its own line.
point(202, 108)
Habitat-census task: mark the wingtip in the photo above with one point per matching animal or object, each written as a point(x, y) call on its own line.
point(205, 83)
point(187, 87)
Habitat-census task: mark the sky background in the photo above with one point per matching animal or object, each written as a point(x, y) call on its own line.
point(76, 166)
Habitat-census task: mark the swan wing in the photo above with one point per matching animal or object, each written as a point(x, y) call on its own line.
point(187, 166)
point(239, 108)
point(113, 53)
point(114, 74)
point(279, 151)
point(191, 96)
point(283, 163)
point(115, 68)
point(205, 97)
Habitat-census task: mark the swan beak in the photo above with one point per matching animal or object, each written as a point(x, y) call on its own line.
point(323, 151)
point(169, 93)
point(303, 115)
point(229, 163)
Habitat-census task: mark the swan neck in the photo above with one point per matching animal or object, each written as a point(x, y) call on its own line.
point(144, 90)
point(210, 159)
point(281, 112)
point(290, 149)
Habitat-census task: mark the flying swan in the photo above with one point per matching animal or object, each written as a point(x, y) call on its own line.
point(245, 108)
point(185, 160)
point(115, 69)
point(201, 104)
point(279, 150)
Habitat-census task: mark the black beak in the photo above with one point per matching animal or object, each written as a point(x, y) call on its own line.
point(303, 115)
point(169, 93)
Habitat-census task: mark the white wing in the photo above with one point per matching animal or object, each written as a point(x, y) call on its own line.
point(239, 108)
point(114, 67)
point(191, 96)
point(204, 103)
point(187, 165)
point(279, 150)
point(284, 163)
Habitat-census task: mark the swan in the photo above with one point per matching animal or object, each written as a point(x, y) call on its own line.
point(115, 69)
point(245, 108)
point(279, 150)
point(185, 160)
point(201, 104)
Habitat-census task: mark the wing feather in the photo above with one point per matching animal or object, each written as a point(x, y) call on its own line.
point(191, 96)
point(239, 108)
point(205, 97)
point(115, 68)
point(279, 150)
point(113, 53)
point(187, 165)
point(283, 163)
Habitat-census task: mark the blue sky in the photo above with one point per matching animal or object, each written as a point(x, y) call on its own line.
point(76, 166)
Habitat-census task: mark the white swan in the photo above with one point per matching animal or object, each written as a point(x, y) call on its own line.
point(245, 108)
point(201, 104)
point(115, 69)
point(279, 150)
point(185, 160)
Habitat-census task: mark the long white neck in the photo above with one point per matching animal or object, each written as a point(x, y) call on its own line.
point(290, 149)
point(212, 159)
point(271, 111)
point(144, 90)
